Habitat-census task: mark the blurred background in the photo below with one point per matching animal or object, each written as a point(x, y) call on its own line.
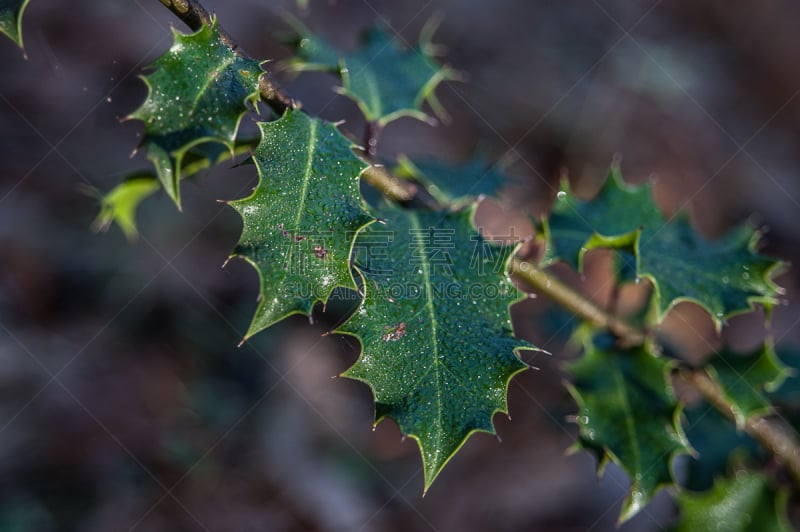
point(124, 401)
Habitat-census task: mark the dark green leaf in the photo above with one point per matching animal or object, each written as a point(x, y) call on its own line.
point(717, 444)
point(385, 78)
point(628, 415)
point(744, 378)
point(741, 504)
point(438, 349)
point(612, 219)
point(725, 276)
point(455, 184)
point(302, 219)
point(11, 12)
point(197, 97)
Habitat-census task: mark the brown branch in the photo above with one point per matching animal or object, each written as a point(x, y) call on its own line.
point(195, 16)
point(390, 186)
point(371, 132)
point(770, 433)
point(574, 302)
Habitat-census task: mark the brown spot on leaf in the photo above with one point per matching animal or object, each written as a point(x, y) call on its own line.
point(320, 251)
point(394, 333)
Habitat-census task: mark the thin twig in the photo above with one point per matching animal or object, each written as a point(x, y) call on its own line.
point(371, 132)
point(195, 16)
point(574, 301)
point(771, 433)
point(390, 186)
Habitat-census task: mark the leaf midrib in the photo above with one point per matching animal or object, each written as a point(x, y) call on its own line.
point(213, 76)
point(422, 253)
point(630, 428)
point(312, 146)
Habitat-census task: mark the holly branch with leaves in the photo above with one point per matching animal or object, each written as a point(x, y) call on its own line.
point(439, 353)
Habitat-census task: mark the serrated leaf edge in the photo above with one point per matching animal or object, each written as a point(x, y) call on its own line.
point(632, 239)
point(430, 475)
point(158, 155)
point(252, 329)
point(634, 502)
point(740, 417)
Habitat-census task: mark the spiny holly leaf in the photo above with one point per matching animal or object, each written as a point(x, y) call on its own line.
point(628, 415)
point(611, 219)
point(744, 378)
point(121, 202)
point(302, 218)
point(385, 78)
point(455, 184)
point(725, 276)
point(11, 12)
point(198, 95)
point(438, 349)
point(743, 503)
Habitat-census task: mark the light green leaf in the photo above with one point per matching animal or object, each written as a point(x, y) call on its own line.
point(725, 276)
point(385, 78)
point(744, 503)
point(302, 218)
point(628, 415)
point(455, 184)
point(198, 94)
point(744, 378)
point(121, 202)
point(11, 12)
point(438, 348)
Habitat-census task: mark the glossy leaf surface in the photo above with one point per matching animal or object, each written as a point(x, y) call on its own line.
point(302, 218)
point(198, 93)
point(438, 348)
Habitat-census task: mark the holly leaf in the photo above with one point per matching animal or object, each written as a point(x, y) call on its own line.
point(739, 504)
point(119, 205)
point(628, 414)
point(301, 220)
point(11, 12)
point(725, 276)
point(744, 379)
point(438, 348)
point(198, 94)
point(386, 79)
point(454, 184)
